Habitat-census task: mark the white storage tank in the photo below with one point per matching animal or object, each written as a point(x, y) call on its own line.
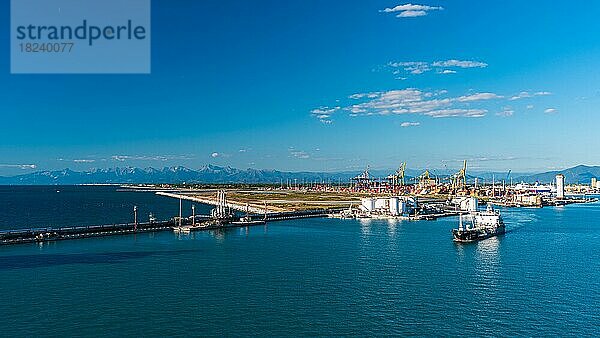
point(473, 204)
point(381, 203)
point(368, 204)
point(395, 206)
point(402, 207)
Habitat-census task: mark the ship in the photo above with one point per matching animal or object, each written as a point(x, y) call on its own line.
point(247, 220)
point(479, 226)
point(536, 188)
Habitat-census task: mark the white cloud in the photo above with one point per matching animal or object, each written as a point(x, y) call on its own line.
point(410, 124)
point(435, 103)
point(299, 154)
point(361, 95)
point(323, 114)
point(411, 67)
point(460, 64)
point(529, 106)
point(19, 166)
point(120, 158)
point(84, 161)
point(411, 14)
point(457, 113)
point(410, 7)
point(162, 158)
point(524, 95)
point(479, 97)
point(550, 111)
point(415, 101)
point(215, 155)
point(441, 67)
point(411, 10)
point(521, 95)
point(506, 113)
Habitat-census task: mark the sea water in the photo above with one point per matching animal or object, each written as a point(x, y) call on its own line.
point(300, 277)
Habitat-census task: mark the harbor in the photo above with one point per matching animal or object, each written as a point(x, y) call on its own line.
point(396, 196)
point(365, 197)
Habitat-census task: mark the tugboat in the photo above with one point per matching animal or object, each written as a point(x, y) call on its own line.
point(482, 225)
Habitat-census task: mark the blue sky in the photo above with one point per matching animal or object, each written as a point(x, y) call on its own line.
point(323, 86)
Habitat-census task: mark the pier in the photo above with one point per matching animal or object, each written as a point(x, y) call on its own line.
point(39, 235)
point(18, 236)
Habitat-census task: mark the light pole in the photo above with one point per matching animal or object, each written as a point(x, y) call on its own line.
point(265, 210)
point(193, 215)
point(180, 209)
point(135, 222)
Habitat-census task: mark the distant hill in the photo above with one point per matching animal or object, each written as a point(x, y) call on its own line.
point(216, 174)
point(580, 174)
point(179, 174)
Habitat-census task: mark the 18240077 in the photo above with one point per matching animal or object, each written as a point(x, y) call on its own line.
point(48, 47)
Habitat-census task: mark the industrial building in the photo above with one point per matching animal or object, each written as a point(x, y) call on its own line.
point(388, 206)
point(595, 183)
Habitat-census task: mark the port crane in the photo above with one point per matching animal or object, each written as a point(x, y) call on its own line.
point(397, 178)
point(425, 179)
point(363, 181)
point(459, 179)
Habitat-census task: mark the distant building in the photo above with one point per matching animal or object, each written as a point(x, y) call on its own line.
point(594, 182)
point(560, 186)
point(530, 200)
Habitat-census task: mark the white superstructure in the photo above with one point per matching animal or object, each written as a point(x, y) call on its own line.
point(560, 186)
point(534, 188)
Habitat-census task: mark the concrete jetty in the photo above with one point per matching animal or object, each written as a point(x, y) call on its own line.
point(39, 235)
point(213, 201)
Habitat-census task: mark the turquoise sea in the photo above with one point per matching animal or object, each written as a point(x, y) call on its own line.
point(316, 277)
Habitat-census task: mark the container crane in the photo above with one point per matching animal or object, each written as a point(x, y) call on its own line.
point(397, 178)
point(459, 180)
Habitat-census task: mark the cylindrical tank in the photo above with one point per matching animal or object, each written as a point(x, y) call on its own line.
point(381, 203)
point(473, 204)
point(368, 204)
point(394, 204)
point(402, 207)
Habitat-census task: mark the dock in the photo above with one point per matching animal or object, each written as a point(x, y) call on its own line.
point(40, 235)
point(18, 236)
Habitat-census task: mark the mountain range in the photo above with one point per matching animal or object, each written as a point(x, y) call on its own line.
point(177, 174)
point(216, 174)
point(580, 174)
